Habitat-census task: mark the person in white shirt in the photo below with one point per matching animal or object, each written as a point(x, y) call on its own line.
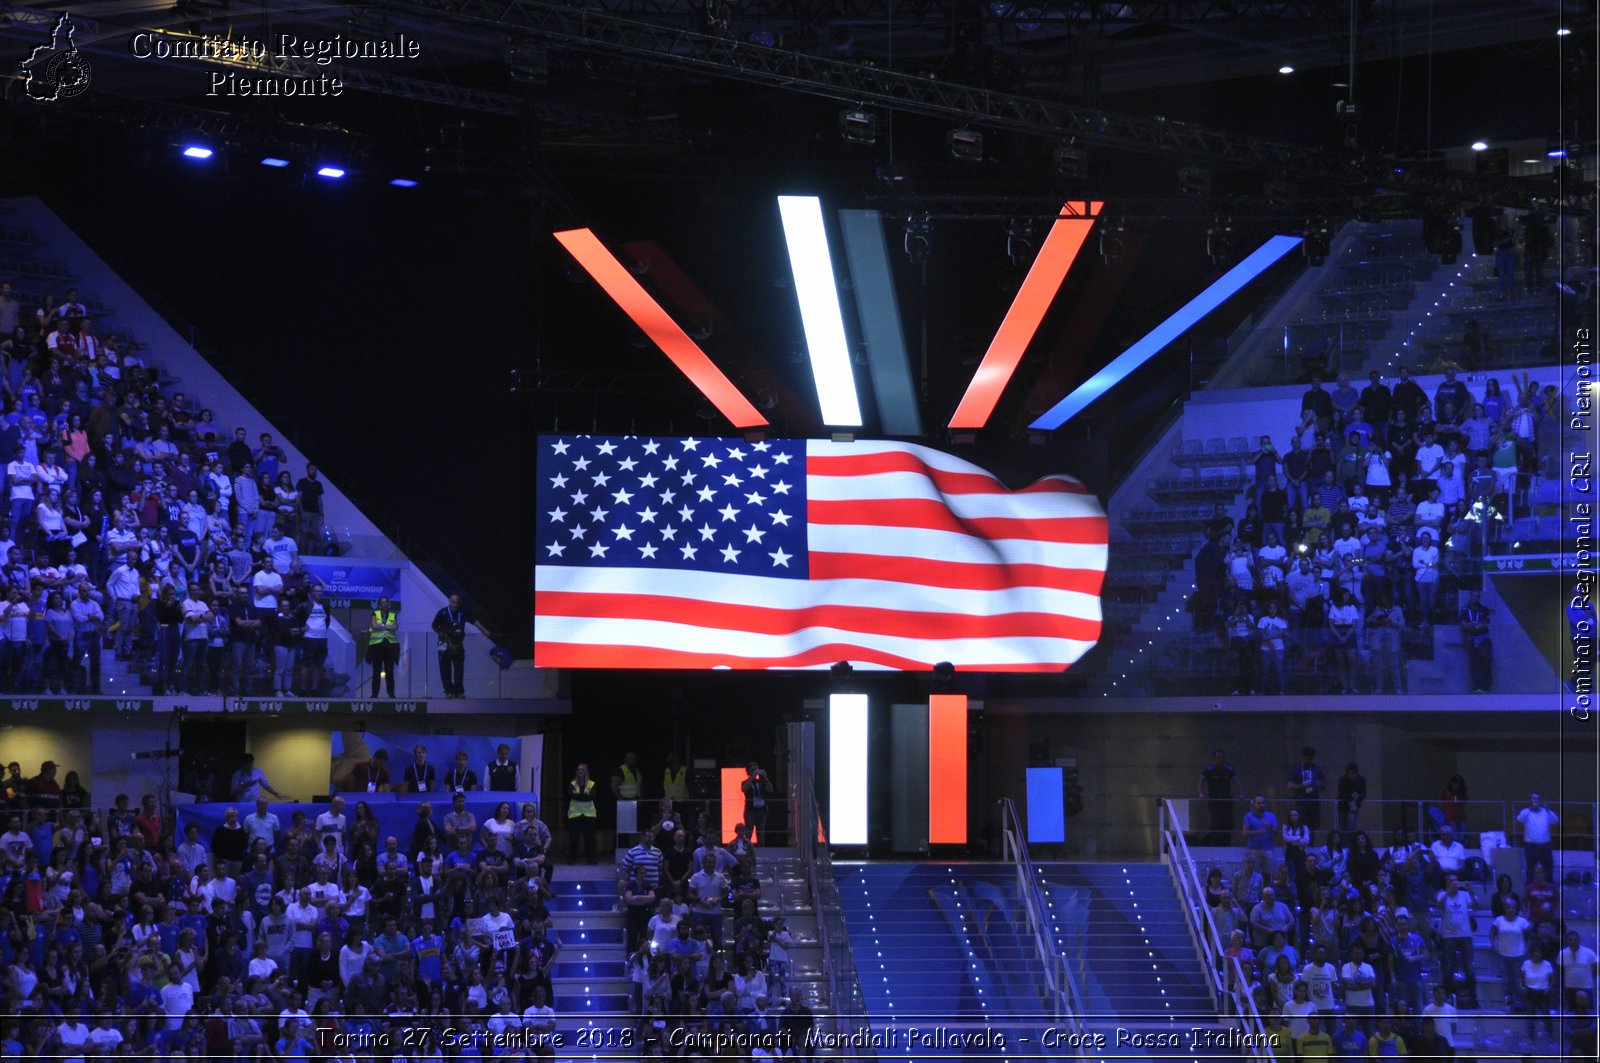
point(1537, 847)
point(1456, 925)
point(352, 960)
point(265, 588)
point(177, 998)
point(20, 478)
point(280, 548)
point(261, 965)
point(1272, 628)
point(72, 1034)
point(1429, 455)
point(1425, 568)
point(1359, 981)
point(1509, 936)
point(1579, 965)
point(262, 824)
point(104, 1038)
point(331, 824)
point(1443, 1014)
point(539, 1018)
point(1320, 977)
point(1297, 1011)
point(1430, 512)
point(1536, 977)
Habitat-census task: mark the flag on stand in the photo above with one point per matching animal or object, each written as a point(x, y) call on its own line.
point(719, 553)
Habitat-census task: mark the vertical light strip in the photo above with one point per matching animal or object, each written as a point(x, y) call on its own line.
point(1061, 246)
point(648, 314)
point(732, 791)
point(1170, 329)
point(947, 769)
point(1047, 805)
point(893, 388)
point(818, 293)
point(847, 769)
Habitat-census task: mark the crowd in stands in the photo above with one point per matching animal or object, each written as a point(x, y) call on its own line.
point(136, 525)
point(1354, 948)
point(299, 937)
point(1363, 532)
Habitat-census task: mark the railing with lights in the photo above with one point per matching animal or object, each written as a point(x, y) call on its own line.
point(1061, 984)
point(1225, 977)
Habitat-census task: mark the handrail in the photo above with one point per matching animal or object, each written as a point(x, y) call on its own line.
point(846, 1003)
point(1065, 996)
point(1481, 814)
point(1225, 976)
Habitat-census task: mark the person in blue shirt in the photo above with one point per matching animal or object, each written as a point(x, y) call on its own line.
point(1410, 953)
point(1261, 831)
point(429, 948)
point(1349, 1043)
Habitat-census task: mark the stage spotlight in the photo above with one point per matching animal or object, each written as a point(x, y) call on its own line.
point(196, 151)
point(1194, 181)
point(919, 237)
point(1072, 161)
point(858, 126)
point(403, 182)
point(1480, 145)
point(965, 144)
point(1563, 32)
point(331, 172)
point(1219, 240)
point(1286, 69)
point(1556, 153)
point(274, 162)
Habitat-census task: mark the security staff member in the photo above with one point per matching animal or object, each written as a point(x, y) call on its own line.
point(675, 780)
point(1219, 785)
point(383, 644)
point(501, 773)
point(581, 815)
point(625, 780)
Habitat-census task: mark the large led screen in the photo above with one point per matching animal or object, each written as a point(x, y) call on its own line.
point(721, 553)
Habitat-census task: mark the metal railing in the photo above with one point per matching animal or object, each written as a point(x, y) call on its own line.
point(846, 1003)
point(1225, 976)
point(1061, 985)
point(1379, 818)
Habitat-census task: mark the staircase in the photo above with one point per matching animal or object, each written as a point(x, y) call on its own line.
point(944, 949)
point(593, 994)
point(1122, 929)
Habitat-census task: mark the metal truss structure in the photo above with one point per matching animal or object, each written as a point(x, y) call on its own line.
point(863, 85)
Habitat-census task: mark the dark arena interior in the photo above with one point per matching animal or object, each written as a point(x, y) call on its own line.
point(798, 530)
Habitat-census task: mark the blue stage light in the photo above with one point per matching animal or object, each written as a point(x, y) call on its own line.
point(330, 171)
point(274, 162)
point(196, 151)
point(1163, 334)
point(403, 182)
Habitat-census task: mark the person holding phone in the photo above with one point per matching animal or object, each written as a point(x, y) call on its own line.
point(757, 790)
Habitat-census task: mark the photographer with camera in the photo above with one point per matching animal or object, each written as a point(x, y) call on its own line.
point(450, 624)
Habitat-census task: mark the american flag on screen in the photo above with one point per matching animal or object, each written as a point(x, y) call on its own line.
point(711, 553)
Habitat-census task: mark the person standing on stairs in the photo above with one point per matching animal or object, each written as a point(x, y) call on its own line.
point(1480, 648)
point(581, 815)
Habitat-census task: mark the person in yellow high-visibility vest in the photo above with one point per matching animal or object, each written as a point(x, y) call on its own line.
point(581, 815)
point(383, 644)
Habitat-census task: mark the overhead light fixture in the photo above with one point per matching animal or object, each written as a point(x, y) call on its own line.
point(919, 237)
point(403, 182)
point(1286, 69)
point(331, 172)
point(274, 162)
point(195, 151)
point(858, 126)
point(818, 292)
point(965, 144)
point(1556, 153)
point(1163, 334)
point(1564, 32)
point(1072, 161)
point(1479, 145)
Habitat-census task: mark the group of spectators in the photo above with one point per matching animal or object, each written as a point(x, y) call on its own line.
point(1345, 944)
point(134, 524)
point(310, 936)
point(1360, 536)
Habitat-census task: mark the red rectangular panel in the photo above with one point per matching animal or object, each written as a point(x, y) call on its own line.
point(947, 769)
point(649, 315)
point(1049, 269)
point(732, 801)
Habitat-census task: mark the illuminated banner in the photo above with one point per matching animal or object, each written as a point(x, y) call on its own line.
point(360, 581)
point(717, 553)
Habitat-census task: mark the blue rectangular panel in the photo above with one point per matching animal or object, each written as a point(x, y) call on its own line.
point(1047, 807)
